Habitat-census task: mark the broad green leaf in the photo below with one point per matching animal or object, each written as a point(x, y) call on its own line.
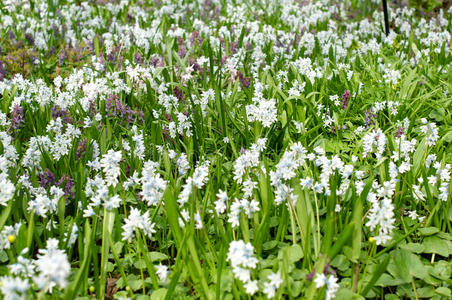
point(433, 244)
point(428, 231)
point(158, 294)
point(444, 291)
point(413, 247)
point(406, 265)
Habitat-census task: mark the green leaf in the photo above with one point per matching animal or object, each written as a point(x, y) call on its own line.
point(433, 244)
point(109, 220)
point(346, 294)
point(158, 294)
point(342, 239)
point(157, 256)
point(419, 154)
point(269, 245)
point(387, 280)
point(443, 291)
point(413, 247)
point(406, 265)
point(340, 262)
point(381, 268)
point(441, 270)
point(135, 282)
point(295, 253)
point(425, 292)
point(426, 231)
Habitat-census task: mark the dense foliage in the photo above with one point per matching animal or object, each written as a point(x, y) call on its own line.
point(224, 149)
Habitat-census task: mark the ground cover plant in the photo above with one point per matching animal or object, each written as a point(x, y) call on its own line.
point(215, 149)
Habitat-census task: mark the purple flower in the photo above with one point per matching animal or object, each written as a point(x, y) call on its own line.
point(369, 117)
point(30, 38)
point(46, 178)
point(2, 71)
point(138, 58)
point(81, 148)
point(61, 113)
point(18, 117)
point(67, 186)
point(62, 57)
point(345, 99)
point(179, 93)
point(399, 132)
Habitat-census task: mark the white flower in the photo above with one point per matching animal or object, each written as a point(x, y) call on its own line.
point(153, 186)
point(242, 259)
point(14, 288)
point(198, 221)
point(272, 285)
point(7, 191)
point(330, 282)
point(263, 111)
point(137, 221)
point(374, 138)
point(110, 166)
point(251, 287)
point(241, 254)
point(162, 272)
point(200, 175)
point(113, 202)
point(431, 132)
point(381, 215)
point(52, 266)
point(6, 232)
point(220, 204)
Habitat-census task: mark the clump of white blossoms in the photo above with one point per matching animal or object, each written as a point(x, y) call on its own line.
point(14, 288)
point(52, 266)
point(7, 191)
point(241, 256)
point(381, 214)
point(248, 159)
point(198, 180)
point(273, 284)
point(330, 282)
point(110, 166)
point(261, 110)
point(375, 138)
point(431, 132)
point(245, 206)
point(137, 221)
point(6, 232)
point(220, 203)
point(153, 186)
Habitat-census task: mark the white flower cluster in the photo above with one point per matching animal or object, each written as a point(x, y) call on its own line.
point(262, 110)
point(97, 190)
point(153, 186)
point(50, 270)
point(330, 282)
point(52, 266)
point(137, 221)
point(110, 165)
point(273, 283)
point(374, 138)
point(198, 180)
point(286, 169)
point(6, 232)
point(431, 132)
point(241, 256)
point(248, 207)
point(43, 203)
point(7, 191)
point(381, 214)
point(248, 160)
